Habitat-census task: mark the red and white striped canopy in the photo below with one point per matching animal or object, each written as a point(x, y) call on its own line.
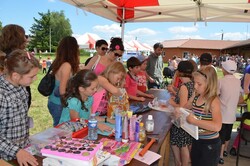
point(167, 10)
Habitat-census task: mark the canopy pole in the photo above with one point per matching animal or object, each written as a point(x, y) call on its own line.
point(123, 24)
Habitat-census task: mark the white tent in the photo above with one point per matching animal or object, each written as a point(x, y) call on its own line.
point(124, 11)
point(87, 40)
point(139, 46)
point(128, 47)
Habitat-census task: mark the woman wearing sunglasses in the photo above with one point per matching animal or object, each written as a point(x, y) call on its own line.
point(99, 63)
point(101, 47)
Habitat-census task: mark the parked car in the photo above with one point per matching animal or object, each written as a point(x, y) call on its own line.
point(127, 55)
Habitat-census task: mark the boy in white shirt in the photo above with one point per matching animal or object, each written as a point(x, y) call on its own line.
point(229, 91)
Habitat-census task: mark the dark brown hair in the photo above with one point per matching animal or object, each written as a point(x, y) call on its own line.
point(12, 37)
point(116, 44)
point(83, 78)
point(67, 51)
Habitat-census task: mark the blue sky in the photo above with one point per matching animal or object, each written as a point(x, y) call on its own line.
point(22, 12)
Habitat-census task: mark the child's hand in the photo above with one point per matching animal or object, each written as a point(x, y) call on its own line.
point(171, 101)
point(141, 99)
point(176, 113)
point(151, 80)
point(150, 96)
point(171, 89)
point(191, 118)
point(25, 158)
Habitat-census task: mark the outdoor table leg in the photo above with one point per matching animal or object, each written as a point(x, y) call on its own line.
point(164, 151)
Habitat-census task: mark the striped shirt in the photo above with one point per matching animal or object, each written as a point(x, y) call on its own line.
point(199, 112)
point(14, 128)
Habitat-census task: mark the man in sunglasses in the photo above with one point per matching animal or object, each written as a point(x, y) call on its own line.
point(101, 47)
point(155, 67)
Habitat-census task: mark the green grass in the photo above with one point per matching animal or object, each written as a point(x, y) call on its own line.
point(39, 111)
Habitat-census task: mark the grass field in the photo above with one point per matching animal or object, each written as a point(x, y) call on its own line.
point(39, 111)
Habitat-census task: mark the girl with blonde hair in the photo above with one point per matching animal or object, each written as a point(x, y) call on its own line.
point(109, 81)
point(205, 105)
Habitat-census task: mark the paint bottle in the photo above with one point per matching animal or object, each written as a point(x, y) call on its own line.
point(118, 124)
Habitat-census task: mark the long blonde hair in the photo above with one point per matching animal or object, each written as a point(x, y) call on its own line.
point(208, 73)
point(114, 68)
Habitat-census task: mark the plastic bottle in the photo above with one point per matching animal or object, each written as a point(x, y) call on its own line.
point(150, 124)
point(142, 133)
point(118, 124)
point(92, 128)
point(125, 128)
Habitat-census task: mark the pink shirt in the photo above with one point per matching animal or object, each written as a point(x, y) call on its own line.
point(99, 68)
point(100, 102)
point(131, 85)
point(142, 81)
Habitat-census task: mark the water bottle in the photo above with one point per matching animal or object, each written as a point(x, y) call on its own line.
point(92, 128)
point(150, 124)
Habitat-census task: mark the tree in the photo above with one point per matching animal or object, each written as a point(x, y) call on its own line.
point(1, 26)
point(51, 26)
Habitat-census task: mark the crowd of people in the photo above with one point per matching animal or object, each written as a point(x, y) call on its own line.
point(82, 90)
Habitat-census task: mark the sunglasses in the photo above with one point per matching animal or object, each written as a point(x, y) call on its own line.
point(117, 55)
point(104, 49)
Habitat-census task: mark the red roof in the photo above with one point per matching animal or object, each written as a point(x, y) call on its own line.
point(198, 43)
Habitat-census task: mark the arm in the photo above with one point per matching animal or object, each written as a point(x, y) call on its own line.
point(183, 95)
point(246, 83)
point(136, 98)
point(140, 93)
point(104, 83)
point(73, 114)
point(215, 124)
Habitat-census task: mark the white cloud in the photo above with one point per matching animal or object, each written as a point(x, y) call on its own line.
point(112, 29)
point(181, 29)
point(51, 0)
point(187, 37)
point(231, 35)
point(142, 32)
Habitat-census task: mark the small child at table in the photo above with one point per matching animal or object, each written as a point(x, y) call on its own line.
point(133, 65)
point(20, 71)
point(77, 100)
point(142, 76)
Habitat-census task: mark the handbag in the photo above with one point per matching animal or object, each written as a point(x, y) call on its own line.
point(47, 83)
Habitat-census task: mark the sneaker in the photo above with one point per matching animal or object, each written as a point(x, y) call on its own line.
point(221, 161)
point(225, 154)
point(233, 152)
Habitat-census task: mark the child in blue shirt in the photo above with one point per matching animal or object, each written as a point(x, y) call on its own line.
point(77, 100)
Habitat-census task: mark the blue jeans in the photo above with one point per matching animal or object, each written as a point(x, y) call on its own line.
point(55, 111)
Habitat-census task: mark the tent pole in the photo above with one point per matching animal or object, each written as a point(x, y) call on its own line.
point(123, 24)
